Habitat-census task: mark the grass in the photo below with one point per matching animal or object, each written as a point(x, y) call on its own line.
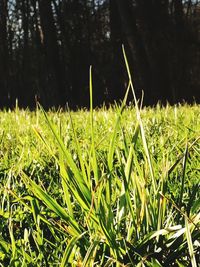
point(100, 188)
point(105, 187)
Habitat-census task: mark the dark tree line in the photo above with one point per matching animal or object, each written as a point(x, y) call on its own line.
point(47, 46)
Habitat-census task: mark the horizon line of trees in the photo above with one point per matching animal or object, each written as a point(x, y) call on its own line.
point(47, 46)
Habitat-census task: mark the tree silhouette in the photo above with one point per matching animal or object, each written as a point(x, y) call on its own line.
point(47, 46)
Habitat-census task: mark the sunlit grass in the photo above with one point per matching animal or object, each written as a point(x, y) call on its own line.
point(72, 194)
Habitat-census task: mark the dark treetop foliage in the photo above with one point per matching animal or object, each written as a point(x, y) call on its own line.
point(47, 46)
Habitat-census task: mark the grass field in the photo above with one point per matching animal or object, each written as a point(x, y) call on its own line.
point(109, 187)
point(105, 187)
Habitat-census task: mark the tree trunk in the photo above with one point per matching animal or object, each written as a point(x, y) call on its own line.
point(26, 85)
point(116, 83)
point(4, 87)
point(181, 50)
point(155, 30)
point(137, 54)
point(55, 77)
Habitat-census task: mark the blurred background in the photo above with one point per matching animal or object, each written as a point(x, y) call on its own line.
point(47, 46)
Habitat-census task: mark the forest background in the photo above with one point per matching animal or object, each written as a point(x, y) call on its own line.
point(47, 46)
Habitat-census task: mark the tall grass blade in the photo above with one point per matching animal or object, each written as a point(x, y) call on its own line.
point(140, 123)
point(82, 164)
point(93, 151)
point(114, 135)
point(183, 175)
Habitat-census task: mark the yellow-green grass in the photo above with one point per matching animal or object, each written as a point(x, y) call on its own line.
point(109, 187)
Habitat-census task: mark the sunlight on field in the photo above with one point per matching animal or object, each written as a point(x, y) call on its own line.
point(105, 195)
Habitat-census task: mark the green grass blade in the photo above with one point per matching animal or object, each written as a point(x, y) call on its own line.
point(90, 257)
point(13, 243)
point(94, 158)
point(82, 164)
point(183, 175)
point(70, 246)
point(51, 204)
point(86, 194)
point(114, 135)
point(141, 125)
point(190, 245)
